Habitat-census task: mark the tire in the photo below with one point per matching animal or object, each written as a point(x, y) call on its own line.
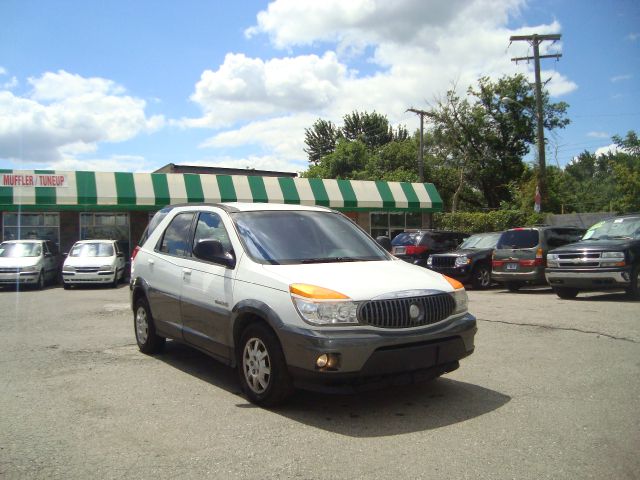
point(566, 293)
point(41, 281)
point(513, 286)
point(148, 341)
point(481, 277)
point(66, 286)
point(262, 368)
point(633, 291)
point(114, 284)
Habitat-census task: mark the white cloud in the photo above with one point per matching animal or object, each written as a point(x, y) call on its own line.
point(256, 162)
point(245, 88)
point(65, 112)
point(633, 36)
point(620, 78)
point(114, 163)
point(598, 135)
point(613, 148)
point(3, 71)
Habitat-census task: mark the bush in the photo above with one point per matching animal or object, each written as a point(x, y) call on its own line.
point(478, 222)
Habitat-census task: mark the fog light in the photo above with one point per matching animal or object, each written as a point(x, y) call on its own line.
point(322, 361)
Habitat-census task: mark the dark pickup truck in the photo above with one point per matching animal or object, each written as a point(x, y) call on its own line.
point(607, 257)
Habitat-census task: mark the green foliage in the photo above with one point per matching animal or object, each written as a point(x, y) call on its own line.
point(320, 139)
point(625, 164)
point(493, 221)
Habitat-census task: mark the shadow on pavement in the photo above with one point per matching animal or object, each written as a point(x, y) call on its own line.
point(391, 411)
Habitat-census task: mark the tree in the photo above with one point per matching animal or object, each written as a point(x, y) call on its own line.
point(320, 139)
point(485, 138)
point(625, 165)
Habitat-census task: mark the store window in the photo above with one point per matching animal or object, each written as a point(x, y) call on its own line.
point(106, 226)
point(22, 226)
point(390, 224)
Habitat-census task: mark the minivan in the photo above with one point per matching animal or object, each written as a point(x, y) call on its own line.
point(521, 253)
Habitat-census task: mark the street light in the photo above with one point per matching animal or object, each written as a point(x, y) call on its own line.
point(422, 113)
point(541, 188)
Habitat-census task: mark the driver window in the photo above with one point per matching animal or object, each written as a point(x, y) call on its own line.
point(210, 227)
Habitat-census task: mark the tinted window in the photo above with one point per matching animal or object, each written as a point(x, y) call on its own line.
point(525, 238)
point(175, 240)
point(210, 227)
point(294, 237)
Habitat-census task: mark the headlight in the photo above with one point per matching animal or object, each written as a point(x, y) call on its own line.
point(429, 261)
point(553, 257)
point(459, 295)
point(321, 306)
point(68, 268)
point(613, 259)
point(30, 269)
point(462, 301)
point(106, 268)
point(462, 260)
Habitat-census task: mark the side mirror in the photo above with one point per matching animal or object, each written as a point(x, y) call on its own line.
point(212, 251)
point(65, 254)
point(48, 254)
point(120, 254)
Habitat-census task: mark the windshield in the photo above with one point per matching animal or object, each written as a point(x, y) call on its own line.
point(94, 249)
point(488, 240)
point(295, 237)
point(16, 250)
point(613, 228)
point(525, 238)
point(406, 238)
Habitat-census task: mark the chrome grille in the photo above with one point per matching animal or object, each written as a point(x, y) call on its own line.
point(445, 261)
point(9, 270)
point(577, 260)
point(87, 269)
point(394, 313)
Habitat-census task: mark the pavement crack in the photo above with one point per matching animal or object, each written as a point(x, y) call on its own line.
point(568, 329)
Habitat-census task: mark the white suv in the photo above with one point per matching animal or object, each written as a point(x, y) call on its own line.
point(293, 296)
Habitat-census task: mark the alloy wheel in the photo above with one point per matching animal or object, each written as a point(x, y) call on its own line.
point(256, 365)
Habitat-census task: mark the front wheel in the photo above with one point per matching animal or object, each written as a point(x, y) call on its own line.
point(633, 291)
point(481, 277)
point(148, 341)
point(40, 284)
point(566, 293)
point(262, 367)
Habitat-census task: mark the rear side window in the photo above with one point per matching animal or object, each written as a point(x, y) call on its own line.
point(526, 238)
point(175, 240)
point(153, 223)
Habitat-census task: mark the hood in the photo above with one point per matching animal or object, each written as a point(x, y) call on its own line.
point(597, 245)
point(88, 261)
point(19, 262)
point(465, 251)
point(361, 280)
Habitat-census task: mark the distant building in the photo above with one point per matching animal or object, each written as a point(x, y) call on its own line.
point(173, 168)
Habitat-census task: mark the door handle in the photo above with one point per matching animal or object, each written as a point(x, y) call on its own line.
point(186, 271)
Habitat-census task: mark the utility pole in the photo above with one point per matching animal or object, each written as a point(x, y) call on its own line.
point(422, 113)
point(535, 41)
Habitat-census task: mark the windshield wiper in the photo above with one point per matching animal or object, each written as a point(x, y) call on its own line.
point(330, 260)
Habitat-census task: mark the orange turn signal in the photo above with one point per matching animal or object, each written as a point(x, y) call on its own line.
point(454, 283)
point(313, 291)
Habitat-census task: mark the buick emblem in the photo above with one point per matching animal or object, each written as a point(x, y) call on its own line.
point(415, 312)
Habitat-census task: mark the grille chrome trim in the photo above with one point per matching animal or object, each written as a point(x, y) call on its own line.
point(395, 312)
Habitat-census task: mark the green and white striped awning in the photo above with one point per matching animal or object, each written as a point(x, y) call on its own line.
point(54, 190)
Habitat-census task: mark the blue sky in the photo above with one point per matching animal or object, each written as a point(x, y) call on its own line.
point(131, 86)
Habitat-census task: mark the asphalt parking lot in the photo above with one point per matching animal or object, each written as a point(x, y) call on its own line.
point(552, 391)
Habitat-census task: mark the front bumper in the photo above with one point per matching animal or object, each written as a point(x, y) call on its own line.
point(590, 279)
point(75, 278)
point(376, 357)
point(462, 274)
point(16, 278)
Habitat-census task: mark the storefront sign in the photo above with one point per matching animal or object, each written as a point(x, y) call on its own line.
point(33, 180)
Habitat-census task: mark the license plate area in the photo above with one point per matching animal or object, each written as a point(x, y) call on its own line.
point(512, 266)
point(399, 250)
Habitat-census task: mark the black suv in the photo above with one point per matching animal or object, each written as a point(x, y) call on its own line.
point(521, 254)
point(470, 263)
point(415, 246)
point(608, 257)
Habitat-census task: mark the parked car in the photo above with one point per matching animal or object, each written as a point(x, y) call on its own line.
point(520, 256)
point(415, 246)
point(293, 296)
point(470, 263)
point(29, 262)
point(608, 257)
point(91, 262)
